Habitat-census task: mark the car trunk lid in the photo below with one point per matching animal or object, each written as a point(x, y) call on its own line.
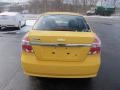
point(61, 45)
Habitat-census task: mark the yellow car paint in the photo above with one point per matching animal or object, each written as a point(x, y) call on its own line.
point(33, 67)
point(61, 62)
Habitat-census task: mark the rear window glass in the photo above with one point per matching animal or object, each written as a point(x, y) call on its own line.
point(61, 23)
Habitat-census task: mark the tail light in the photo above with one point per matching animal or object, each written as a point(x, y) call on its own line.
point(96, 47)
point(26, 45)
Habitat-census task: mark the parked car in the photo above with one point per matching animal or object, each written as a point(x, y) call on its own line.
point(91, 12)
point(61, 45)
point(11, 19)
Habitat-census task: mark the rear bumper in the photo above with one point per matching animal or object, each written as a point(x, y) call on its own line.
point(61, 76)
point(87, 69)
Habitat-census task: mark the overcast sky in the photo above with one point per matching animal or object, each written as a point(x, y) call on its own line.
point(13, 0)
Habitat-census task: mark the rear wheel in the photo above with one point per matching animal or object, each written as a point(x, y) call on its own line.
point(24, 24)
point(19, 26)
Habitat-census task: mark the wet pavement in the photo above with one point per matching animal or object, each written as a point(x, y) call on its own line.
point(12, 77)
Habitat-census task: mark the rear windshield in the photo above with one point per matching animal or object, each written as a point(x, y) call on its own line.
point(61, 23)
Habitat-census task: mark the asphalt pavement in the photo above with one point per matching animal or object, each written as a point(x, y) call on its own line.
point(12, 77)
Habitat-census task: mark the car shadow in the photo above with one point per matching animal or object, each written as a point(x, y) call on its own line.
point(61, 84)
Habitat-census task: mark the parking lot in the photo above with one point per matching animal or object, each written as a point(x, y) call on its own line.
point(12, 77)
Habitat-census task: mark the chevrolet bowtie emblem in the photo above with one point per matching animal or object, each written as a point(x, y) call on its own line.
point(61, 40)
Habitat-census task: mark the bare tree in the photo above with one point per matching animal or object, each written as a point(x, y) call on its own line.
point(39, 6)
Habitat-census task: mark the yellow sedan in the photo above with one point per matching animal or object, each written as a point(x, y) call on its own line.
point(61, 45)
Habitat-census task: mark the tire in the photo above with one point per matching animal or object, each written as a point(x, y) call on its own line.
point(24, 24)
point(19, 26)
